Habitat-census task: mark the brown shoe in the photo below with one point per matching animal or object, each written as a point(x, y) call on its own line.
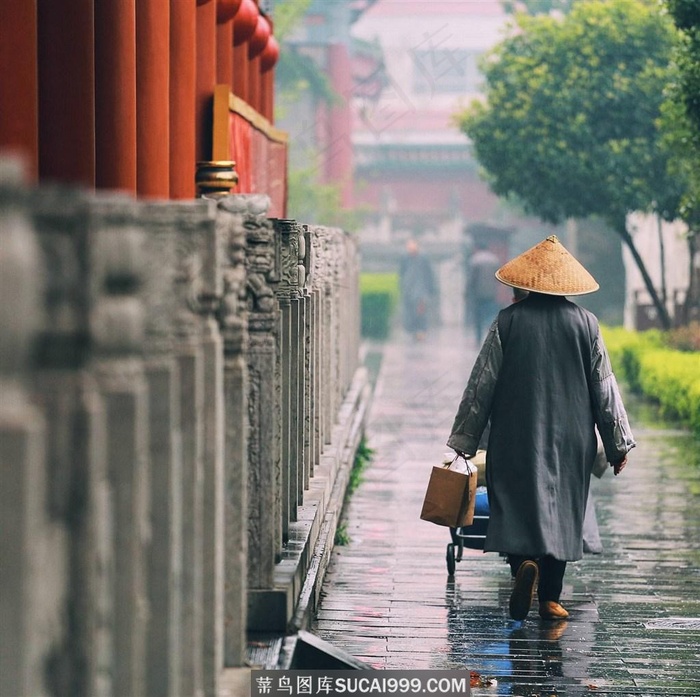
point(525, 583)
point(549, 610)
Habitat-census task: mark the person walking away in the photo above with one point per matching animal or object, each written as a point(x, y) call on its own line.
point(544, 380)
point(482, 288)
point(592, 543)
point(417, 285)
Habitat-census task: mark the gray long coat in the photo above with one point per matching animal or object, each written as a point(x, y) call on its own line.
point(544, 379)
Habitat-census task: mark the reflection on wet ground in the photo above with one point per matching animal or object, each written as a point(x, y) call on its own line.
point(634, 627)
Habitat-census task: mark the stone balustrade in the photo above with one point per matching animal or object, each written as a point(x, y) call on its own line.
point(180, 404)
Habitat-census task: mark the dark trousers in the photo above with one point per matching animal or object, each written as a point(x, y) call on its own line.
point(551, 575)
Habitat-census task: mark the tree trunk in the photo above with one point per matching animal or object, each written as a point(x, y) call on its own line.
point(662, 259)
point(691, 295)
point(622, 230)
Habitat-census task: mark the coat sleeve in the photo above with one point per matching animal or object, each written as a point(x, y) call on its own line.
point(609, 411)
point(475, 408)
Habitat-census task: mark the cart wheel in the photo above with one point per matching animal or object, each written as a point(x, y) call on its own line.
point(460, 550)
point(450, 558)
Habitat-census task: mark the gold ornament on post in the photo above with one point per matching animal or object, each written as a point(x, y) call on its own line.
point(216, 177)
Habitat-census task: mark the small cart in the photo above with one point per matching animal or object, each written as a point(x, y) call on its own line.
point(471, 536)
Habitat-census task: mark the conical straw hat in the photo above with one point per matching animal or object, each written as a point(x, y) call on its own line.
point(547, 268)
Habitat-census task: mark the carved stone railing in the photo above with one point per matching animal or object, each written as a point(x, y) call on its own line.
point(180, 404)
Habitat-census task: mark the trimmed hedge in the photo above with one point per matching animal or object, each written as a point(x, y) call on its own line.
point(379, 298)
point(669, 376)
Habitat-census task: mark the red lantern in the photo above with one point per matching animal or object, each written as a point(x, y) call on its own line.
point(260, 37)
point(270, 55)
point(245, 23)
point(226, 10)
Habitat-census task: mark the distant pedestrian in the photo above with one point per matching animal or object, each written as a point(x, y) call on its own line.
point(417, 285)
point(544, 380)
point(482, 288)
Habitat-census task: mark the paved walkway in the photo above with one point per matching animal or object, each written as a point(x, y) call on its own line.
point(635, 610)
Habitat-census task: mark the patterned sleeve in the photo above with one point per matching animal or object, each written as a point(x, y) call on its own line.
point(475, 407)
point(609, 411)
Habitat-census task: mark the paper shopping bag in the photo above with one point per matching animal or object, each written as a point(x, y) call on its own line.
point(450, 497)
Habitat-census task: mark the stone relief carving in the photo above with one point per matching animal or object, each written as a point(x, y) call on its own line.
point(287, 241)
point(233, 310)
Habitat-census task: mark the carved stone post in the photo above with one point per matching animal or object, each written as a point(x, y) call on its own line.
point(117, 324)
point(79, 493)
point(334, 297)
point(317, 326)
point(26, 615)
point(298, 388)
point(289, 242)
point(306, 320)
point(264, 456)
point(162, 374)
point(190, 362)
point(215, 229)
point(234, 328)
point(326, 326)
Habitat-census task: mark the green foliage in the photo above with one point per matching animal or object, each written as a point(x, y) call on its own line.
point(297, 73)
point(624, 347)
point(682, 141)
point(681, 118)
point(363, 457)
point(342, 536)
point(379, 293)
point(288, 14)
point(673, 379)
point(569, 124)
point(652, 368)
point(317, 203)
point(537, 7)
point(686, 13)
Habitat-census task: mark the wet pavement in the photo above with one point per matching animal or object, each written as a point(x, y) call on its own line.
point(634, 627)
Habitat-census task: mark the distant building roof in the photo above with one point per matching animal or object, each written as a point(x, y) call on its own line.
point(401, 8)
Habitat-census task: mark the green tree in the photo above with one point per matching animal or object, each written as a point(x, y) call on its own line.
point(680, 123)
point(570, 121)
point(686, 15)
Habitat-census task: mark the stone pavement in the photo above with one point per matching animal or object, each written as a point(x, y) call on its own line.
point(635, 609)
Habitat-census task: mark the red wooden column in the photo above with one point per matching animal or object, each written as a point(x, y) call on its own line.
point(225, 13)
point(256, 45)
point(244, 25)
point(268, 59)
point(339, 157)
point(67, 91)
point(153, 98)
point(18, 81)
point(206, 75)
point(183, 84)
point(115, 94)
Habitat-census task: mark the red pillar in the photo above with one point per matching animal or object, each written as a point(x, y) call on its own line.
point(268, 59)
point(244, 25)
point(256, 45)
point(153, 99)
point(206, 75)
point(183, 82)
point(254, 82)
point(19, 81)
point(67, 91)
point(225, 13)
point(339, 157)
point(224, 53)
point(115, 94)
